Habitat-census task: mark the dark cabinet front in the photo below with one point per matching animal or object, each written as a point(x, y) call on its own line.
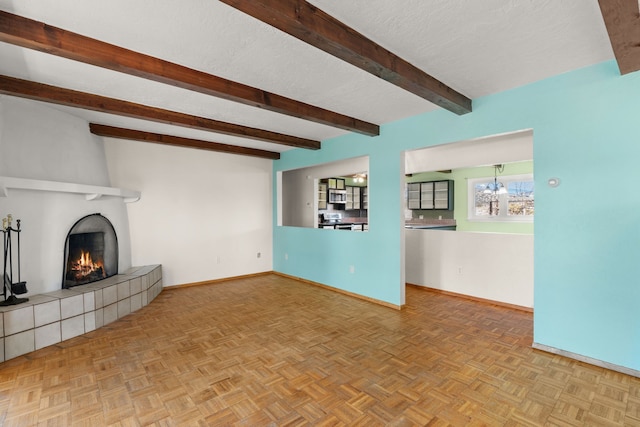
point(430, 195)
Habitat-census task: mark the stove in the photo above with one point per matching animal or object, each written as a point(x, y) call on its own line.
point(333, 220)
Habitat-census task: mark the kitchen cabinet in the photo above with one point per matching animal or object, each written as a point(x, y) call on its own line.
point(430, 195)
point(413, 195)
point(443, 195)
point(322, 195)
point(353, 198)
point(365, 197)
point(336, 184)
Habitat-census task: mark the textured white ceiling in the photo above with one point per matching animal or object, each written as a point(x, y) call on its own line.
point(476, 47)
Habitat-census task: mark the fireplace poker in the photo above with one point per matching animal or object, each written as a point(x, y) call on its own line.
point(18, 231)
point(4, 255)
point(20, 287)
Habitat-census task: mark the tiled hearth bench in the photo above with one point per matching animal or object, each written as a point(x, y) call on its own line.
point(47, 319)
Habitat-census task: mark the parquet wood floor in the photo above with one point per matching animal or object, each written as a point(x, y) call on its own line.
point(270, 351)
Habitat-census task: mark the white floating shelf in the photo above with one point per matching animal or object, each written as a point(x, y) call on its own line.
point(91, 192)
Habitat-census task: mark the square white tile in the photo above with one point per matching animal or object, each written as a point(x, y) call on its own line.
point(90, 321)
point(98, 298)
point(124, 290)
point(136, 285)
point(71, 306)
point(110, 314)
point(18, 320)
point(89, 301)
point(136, 302)
point(19, 344)
point(110, 295)
point(48, 335)
point(99, 317)
point(124, 307)
point(47, 312)
point(72, 327)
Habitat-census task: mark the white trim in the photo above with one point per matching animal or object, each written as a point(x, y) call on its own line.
point(586, 359)
point(91, 192)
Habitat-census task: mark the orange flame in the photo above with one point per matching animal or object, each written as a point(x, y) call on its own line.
point(85, 265)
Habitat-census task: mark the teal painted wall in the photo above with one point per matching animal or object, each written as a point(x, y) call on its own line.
point(587, 232)
point(460, 205)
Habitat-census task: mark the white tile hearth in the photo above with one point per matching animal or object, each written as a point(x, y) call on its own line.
point(136, 285)
point(18, 320)
point(99, 318)
point(17, 344)
point(47, 312)
point(97, 295)
point(136, 302)
point(71, 306)
point(110, 295)
point(124, 307)
point(48, 335)
point(89, 322)
point(72, 327)
point(123, 290)
point(89, 301)
point(56, 316)
point(110, 313)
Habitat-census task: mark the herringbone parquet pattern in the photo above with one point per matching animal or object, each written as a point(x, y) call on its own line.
point(272, 351)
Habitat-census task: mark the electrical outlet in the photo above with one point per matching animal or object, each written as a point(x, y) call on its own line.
point(352, 269)
point(286, 257)
point(459, 270)
point(218, 260)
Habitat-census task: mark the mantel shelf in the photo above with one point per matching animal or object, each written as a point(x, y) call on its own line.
point(91, 192)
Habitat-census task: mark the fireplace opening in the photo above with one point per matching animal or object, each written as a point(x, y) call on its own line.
point(91, 251)
point(86, 258)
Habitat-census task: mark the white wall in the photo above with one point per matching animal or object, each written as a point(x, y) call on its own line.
point(491, 150)
point(492, 266)
point(40, 142)
point(202, 215)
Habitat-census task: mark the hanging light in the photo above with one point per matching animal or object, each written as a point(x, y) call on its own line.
point(496, 187)
point(360, 177)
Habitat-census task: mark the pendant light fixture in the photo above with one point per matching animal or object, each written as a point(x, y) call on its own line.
point(496, 187)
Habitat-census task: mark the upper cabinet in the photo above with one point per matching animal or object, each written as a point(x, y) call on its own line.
point(353, 198)
point(336, 183)
point(322, 195)
point(434, 195)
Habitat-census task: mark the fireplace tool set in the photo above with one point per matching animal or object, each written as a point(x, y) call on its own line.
point(11, 288)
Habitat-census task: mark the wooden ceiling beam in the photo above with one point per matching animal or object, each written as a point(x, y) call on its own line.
point(315, 27)
point(622, 19)
point(71, 98)
point(136, 135)
point(39, 36)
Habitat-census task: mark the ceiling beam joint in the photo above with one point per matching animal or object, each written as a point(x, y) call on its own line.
point(622, 19)
point(39, 36)
point(72, 98)
point(306, 22)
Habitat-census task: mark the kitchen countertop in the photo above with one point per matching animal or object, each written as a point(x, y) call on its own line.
point(431, 224)
point(338, 224)
point(430, 227)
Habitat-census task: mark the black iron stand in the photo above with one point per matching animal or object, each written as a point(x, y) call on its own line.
point(9, 288)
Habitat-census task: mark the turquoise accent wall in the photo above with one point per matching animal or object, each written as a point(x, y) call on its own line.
point(460, 205)
point(587, 230)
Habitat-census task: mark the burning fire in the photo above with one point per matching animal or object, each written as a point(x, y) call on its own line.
point(85, 266)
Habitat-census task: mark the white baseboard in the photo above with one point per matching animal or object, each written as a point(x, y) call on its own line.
point(585, 359)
